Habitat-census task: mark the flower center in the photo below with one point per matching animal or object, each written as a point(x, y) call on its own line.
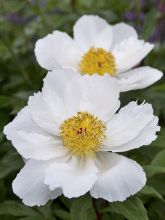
point(98, 60)
point(83, 134)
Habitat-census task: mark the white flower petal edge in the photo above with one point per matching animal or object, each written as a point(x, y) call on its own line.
point(133, 126)
point(42, 115)
point(29, 184)
point(92, 31)
point(122, 31)
point(138, 78)
point(30, 140)
point(146, 137)
point(118, 179)
point(75, 176)
point(57, 50)
point(56, 81)
point(130, 52)
point(47, 107)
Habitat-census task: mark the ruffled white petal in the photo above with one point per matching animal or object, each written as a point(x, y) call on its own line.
point(43, 115)
point(122, 31)
point(30, 140)
point(130, 52)
point(51, 101)
point(118, 179)
point(92, 31)
point(127, 125)
point(75, 176)
point(99, 95)
point(146, 137)
point(57, 50)
point(139, 78)
point(29, 184)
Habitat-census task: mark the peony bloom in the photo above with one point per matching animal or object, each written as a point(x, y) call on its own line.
point(99, 48)
point(69, 135)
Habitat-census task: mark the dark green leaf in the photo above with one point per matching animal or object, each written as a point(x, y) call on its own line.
point(15, 209)
point(9, 163)
point(62, 214)
point(79, 208)
point(132, 209)
point(159, 159)
point(152, 170)
point(150, 191)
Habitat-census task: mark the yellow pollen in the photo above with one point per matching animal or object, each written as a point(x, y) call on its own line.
point(83, 134)
point(98, 60)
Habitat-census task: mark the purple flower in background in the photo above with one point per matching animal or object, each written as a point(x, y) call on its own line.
point(130, 15)
point(159, 33)
point(162, 7)
point(14, 18)
point(41, 2)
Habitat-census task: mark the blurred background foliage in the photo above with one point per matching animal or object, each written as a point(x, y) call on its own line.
point(22, 22)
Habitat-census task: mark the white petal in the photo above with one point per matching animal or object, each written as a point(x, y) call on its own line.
point(29, 184)
point(146, 137)
point(53, 92)
point(139, 78)
point(119, 177)
point(57, 50)
point(42, 115)
point(56, 81)
point(48, 108)
point(30, 140)
point(96, 94)
point(122, 31)
point(127, 125)
point(75, 176)
point(92, 31)
point(45, 53)
point(130, 52)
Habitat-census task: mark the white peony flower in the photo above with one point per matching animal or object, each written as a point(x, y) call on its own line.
point(65, 134)
point(100, 48)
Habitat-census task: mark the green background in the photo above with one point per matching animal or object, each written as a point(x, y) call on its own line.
point(22, 22)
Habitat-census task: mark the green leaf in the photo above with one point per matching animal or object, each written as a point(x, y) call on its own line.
point(16, 209)
point(160, 141)
point(157, 165)
point(159, 159)
point(4, 119)
point(46, 211)
point(150, 191)
point(2, 190)
point(158, 183)
point(32, 218)
point(5, 101)
point(62, 214)
point(66, 202)
point(91, 214)
point(156, 210)
point(149, 24)
point(132, 209)
point(151, 170)
point(10, 163)
point(79, 207)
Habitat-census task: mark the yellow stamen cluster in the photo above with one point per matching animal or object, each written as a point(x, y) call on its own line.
point(98, 60)
point(83, 134)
